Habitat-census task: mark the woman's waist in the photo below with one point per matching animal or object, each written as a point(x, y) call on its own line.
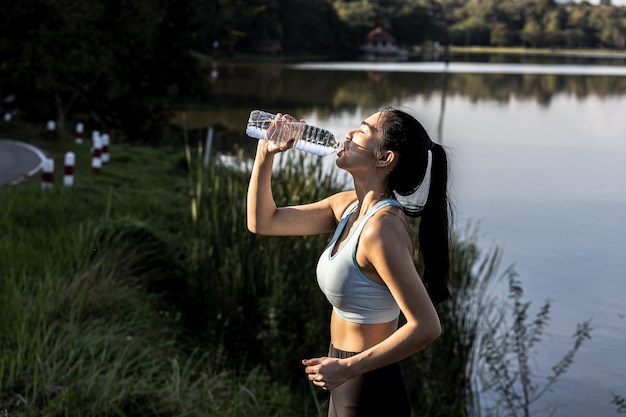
point(357, 337)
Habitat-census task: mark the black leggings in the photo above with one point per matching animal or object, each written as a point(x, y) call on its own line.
point(379, 393)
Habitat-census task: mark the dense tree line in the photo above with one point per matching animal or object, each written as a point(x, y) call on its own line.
point(109, 62)
point(536, 23)
point(118, 63)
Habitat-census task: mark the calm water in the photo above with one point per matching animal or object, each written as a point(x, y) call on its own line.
point(539, 162)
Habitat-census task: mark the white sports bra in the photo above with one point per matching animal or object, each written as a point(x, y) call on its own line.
point(354, 296)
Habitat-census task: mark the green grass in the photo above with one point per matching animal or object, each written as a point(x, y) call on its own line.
point(93, 282)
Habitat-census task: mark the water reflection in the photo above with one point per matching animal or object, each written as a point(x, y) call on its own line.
point(300, 89)
point(554, 58)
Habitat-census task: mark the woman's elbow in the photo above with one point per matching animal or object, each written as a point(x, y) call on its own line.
point(258, 228)
point(435, 331)
point(253, 227)
point(430, 331)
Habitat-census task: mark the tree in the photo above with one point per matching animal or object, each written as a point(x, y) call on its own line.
point(313, 25)
point(114, 62)
point(532, 33)
point(51, 53)
point(359, 14)
point(471, 30)
point(410, 22)
point(500, 35)
point(553, 31)
point(609, 26)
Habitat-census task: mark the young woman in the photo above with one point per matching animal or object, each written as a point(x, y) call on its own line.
point(367, 270)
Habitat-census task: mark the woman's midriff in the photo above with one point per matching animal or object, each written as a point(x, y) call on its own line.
point(353, 337)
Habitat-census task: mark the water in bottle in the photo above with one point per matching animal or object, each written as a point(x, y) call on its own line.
point(308, 138)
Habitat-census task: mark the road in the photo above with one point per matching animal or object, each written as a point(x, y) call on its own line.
point(18, 160)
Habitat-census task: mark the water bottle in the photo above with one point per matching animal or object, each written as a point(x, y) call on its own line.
point(308, 138)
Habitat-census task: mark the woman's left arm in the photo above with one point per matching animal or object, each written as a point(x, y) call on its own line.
point(389, 252)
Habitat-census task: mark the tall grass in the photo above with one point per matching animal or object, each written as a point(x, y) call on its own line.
point(93, 283)
point(440, 376)
point(256, 296)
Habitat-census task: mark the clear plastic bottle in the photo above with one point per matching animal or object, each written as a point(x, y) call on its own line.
point(308, 138)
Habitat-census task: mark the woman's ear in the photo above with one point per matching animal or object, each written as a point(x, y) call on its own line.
point(386, 158)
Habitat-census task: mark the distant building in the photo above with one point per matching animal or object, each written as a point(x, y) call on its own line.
point(605, 2)
point(380, 45)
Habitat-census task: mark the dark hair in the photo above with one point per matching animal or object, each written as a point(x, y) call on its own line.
point(404, 135)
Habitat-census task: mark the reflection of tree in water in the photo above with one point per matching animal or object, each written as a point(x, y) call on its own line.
point(376, 76)
point(281, 88)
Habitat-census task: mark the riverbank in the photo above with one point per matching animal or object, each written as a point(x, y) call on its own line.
point(421, 53)
point(546, 52)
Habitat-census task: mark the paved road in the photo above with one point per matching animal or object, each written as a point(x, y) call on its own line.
point(18, 160)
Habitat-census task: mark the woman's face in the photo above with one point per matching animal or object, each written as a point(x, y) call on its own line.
point(360, 149)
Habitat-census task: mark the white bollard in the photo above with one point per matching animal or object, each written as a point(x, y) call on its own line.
point(96, 154)
point(68, 177)
point(105, 147)
point(51, 127)
point(47, 176)
point(79, 131)
point(95, 134)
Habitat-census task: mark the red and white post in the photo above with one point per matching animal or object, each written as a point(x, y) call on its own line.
point(51, 127)
point(95, 134)
point(47, 175)
point(96, 154)
point(105, 147)
point(79, 131)
point(68, 177)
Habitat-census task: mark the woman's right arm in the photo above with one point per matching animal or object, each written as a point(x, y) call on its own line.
point(265, 218)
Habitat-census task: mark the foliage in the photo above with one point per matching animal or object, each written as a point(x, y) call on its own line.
point(62, 57)
point(507, 352)
point(620, 403)
point(453, 358)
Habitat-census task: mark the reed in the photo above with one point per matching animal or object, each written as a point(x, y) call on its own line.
point(440, 377)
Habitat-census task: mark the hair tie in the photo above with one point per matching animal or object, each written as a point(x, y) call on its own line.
point(416, 201)
point(431, 145)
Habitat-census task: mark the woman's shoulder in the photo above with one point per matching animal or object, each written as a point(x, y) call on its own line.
point(389, 222)
point(341, 201)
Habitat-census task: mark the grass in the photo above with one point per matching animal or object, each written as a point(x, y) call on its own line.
point(93, 280)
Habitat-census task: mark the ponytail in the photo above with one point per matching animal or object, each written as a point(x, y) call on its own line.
point(434, 229)
point(420, 184)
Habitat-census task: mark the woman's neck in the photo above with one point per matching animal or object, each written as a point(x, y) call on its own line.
point(367, 199)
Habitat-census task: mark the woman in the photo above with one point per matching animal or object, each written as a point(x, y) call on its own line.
point(367, 270)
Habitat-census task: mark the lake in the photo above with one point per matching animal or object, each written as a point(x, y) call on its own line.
point(538, 157)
